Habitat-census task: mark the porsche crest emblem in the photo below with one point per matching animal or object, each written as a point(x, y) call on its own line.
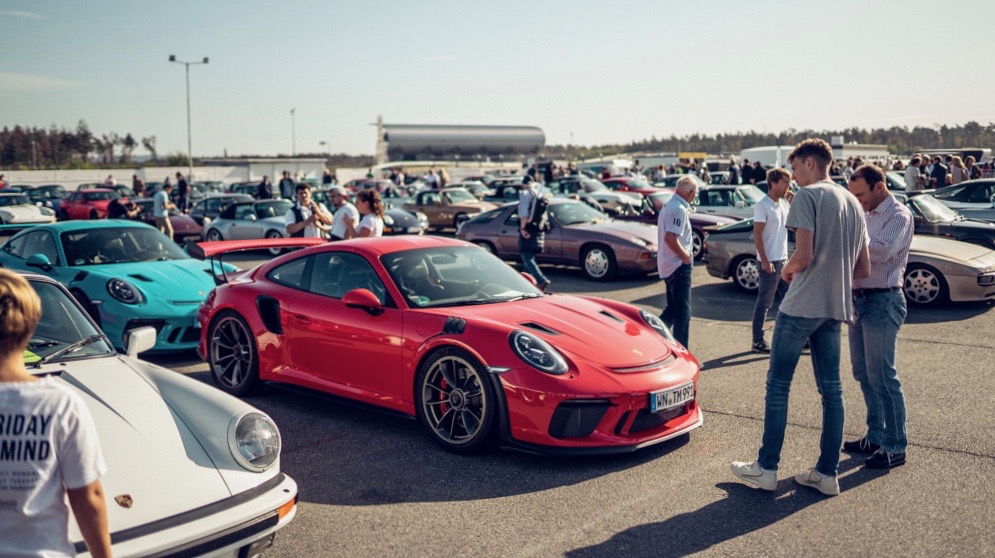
point(124, 500)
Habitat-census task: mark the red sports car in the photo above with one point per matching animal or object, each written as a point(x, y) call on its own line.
point(86, 204)
point(442, 330)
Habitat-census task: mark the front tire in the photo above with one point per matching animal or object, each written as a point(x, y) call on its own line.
point(232, 356)
point(455, 401)
point(924, 286)
point(93, 214)
point(274, 251)
point(598, 263)
point(746, 274)
point(697, 245)
point(214, 235)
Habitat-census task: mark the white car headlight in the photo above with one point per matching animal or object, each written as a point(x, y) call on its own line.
point(254, 441)
point(124, 291)
point(538, 353)
point(6, 216)
point(422, 218)
point(657, 324)
point(388, 220)
point(46, 211)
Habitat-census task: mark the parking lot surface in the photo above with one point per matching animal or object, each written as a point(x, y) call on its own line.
point(373, 484)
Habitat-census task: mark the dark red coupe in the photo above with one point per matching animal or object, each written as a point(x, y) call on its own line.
point(442, 330)
point(86, 204)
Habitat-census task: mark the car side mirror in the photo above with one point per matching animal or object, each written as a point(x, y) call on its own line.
point(363, 299)
point(528, 277)
point(250, 217)
point(140, 340)
point(40, 261)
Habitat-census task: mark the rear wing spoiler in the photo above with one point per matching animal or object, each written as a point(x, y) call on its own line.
point(214, 251)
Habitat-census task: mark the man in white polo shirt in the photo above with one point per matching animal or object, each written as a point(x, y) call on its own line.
point(770, 235)
point(674, 260)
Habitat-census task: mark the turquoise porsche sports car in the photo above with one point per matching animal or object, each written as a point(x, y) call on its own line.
point(126, 274)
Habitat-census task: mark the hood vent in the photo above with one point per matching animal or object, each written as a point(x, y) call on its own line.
point(540, 327)
point(653, 366)
point(140, 277)
point(612, 316)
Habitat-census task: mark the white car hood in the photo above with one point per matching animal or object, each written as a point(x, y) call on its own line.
point(25, 213)
point(151, 455)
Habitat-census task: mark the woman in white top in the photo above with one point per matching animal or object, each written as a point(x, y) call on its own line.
point(371, 209)
point(958, 173)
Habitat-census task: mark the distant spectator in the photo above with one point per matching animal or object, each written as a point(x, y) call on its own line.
point(286, 186)
point(3, 183)
point(443, 178)
point(958, 173)
point(547, 173)
point(371, 208)
point(913, 178)
point(973, 171)
point(37, 493)
point(758, 174)
point(432, 179)
point(119, 209)
point(369, 172)
point(160, 209)
point(938, 174)
point(264, 191)
point(110, 182)
point(182, 192)
point(307, 218)
point(339, 197)
point(605, 173)
point(733, 172)
point(138, 185)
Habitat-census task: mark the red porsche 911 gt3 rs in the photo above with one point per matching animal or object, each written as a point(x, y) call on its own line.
point(442, 330)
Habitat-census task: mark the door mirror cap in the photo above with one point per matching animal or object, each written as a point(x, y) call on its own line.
point(140, 340)
point(363, 299)
point(40, 261)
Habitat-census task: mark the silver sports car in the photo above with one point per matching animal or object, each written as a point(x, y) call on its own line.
point(939, 269)
point(250, 220)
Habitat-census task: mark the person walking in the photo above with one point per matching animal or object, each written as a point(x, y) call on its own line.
point(343, 208)
point(160, 209)
point(532, 229)
point(831, 249)
point(770, 235)
point(182, 192)
point(370, 206)
point(287, 186)
point(138, 186)
point(306, 218)
point(68, 464)
point(264, 191)
point(880, 312)
point(675, 259)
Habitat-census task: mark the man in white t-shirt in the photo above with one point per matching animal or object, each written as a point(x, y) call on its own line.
point(675, 260)
point(307, 218)
point(770, 235)
point(160, 210)
point(50, 448)
point(340, 200)
point(913, 178)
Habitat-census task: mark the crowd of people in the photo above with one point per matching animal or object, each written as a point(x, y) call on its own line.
point(851, 250)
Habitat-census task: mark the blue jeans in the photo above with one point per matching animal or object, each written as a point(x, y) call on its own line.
point(530, 265)
point(873, 340)
point(677, 314)
point(790, 333)
point(770, 284)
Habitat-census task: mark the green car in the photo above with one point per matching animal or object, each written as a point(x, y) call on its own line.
point(125, 274)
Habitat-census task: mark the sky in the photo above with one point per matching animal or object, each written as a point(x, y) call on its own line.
point(586, 72)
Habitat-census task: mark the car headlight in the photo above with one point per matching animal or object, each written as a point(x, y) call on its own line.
point(638, 241)
point(538, 353)
point(657, 324)
point(124, 291)
point(388, 220)
point(46, 211)
point(986, 279)
point(254, 441)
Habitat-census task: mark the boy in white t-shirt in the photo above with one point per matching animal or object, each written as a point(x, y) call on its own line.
point(48, 446)
point(770, 235)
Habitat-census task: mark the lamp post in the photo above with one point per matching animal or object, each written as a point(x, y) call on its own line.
point(293, 134)
point(172, 58)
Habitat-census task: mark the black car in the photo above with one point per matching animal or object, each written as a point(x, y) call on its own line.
point(212, 206)
point(932, 217)
point(46, 195)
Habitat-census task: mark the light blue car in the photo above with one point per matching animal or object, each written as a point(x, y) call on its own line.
point(125, 274)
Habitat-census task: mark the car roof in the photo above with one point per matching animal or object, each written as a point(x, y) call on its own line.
point(81, 225)
point(381, 245)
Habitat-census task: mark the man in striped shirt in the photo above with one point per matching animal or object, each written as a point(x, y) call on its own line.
point(880, 312)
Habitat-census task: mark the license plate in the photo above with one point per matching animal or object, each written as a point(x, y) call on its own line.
point(670, 398)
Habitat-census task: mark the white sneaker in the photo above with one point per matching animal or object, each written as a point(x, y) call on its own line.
point(753, 473)
point(829, 486)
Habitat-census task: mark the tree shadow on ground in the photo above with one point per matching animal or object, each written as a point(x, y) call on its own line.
point(742, 511)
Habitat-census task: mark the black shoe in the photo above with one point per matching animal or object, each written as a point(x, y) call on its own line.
point(545, 286)
point(862, 445)
point(808, 346)
point(884, 460)
point(761, 347)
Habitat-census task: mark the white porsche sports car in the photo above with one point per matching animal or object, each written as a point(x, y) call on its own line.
point(191, 471)
point(17, 209)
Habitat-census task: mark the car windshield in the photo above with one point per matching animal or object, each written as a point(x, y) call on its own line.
point(933, 210)
point(13, 200)
point(574, 213)
point(751, 194)
point(278, 208)
point(119, 245)
point(459, 196)
point(62, 324)
point(97, 196)
point(455, 276)
point(659, 199)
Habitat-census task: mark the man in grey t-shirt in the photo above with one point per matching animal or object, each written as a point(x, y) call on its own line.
point(831, 249)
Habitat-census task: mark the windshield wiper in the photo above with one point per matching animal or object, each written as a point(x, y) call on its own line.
point(43, 344)
point(69, 349)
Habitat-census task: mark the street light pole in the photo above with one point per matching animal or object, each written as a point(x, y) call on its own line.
point(172, 58)
point(293, 134)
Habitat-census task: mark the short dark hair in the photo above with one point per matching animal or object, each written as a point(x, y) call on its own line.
point(871, 174)
point(301, 186)
point(813, 147)
point(777, 174)
point(915, 161)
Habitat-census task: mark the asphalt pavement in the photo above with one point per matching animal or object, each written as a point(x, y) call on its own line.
point(373, 484)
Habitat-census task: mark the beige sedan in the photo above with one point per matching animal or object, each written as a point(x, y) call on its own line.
point(447, 207)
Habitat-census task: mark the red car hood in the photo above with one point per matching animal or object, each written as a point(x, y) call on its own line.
point(583, 328)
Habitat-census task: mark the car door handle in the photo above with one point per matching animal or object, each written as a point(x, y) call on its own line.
point(301, 318)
